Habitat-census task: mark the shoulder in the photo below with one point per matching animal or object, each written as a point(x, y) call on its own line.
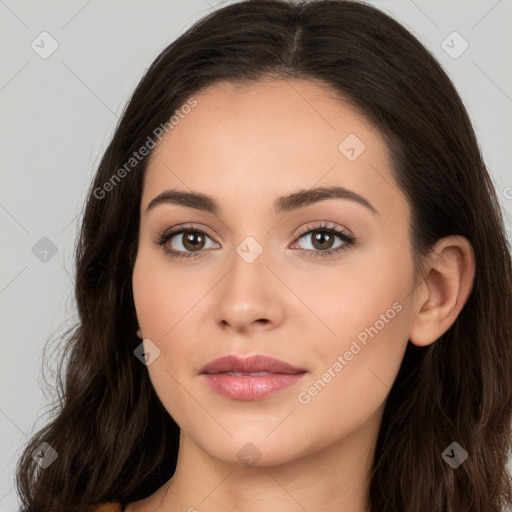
point(107, 507)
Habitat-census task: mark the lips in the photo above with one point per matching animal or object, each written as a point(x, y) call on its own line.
point(249, 365)
point(250, 378)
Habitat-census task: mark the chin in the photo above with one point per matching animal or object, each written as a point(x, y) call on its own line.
point(254, 449)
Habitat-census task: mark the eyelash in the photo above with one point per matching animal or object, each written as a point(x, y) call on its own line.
point(165, 236)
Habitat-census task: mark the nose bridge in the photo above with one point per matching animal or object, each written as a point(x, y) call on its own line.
point(250, 238)
point(256, 252)
point(247, 293)
point(248, 268)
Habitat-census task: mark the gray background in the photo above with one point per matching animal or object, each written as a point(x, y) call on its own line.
point(59, 112)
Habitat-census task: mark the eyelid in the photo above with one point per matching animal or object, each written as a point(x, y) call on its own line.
point(318, 225)
point(187, 227)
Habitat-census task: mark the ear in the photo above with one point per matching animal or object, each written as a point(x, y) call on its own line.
point(449, 276)
point(139, 332)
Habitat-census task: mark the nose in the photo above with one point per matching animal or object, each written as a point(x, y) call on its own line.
point(250, 296)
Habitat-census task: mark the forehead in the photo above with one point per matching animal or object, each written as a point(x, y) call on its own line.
point(269, 138)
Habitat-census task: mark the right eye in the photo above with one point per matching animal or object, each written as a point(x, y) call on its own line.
point(190, 242)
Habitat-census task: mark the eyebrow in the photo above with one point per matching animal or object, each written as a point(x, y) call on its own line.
point(283, 204)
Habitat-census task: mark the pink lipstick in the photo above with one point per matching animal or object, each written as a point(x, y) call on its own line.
point(250, 378)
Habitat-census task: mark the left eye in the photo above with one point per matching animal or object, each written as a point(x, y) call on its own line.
point(322, 239)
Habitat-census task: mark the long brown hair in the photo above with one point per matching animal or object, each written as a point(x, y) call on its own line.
point(114, 439)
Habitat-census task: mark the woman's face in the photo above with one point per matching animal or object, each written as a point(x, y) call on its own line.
point(260, 280)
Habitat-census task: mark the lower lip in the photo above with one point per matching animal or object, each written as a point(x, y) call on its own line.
point(251, 387)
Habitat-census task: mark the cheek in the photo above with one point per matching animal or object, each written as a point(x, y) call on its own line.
point(369, 311)
point(164, 302)
point(349, 385)
point(366, 298)
point(163, 295)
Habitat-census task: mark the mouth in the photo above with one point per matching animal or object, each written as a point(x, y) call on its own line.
point(249, 365)
point(250, 378)
point(250, 374)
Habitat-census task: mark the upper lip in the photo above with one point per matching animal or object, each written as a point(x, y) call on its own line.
point(250, 364)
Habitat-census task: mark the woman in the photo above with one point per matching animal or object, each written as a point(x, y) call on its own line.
point(293, 282)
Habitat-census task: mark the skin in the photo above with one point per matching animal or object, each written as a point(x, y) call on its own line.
point(246, 146)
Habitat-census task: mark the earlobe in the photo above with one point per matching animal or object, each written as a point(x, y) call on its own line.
point(449, 277)
point(139, 332)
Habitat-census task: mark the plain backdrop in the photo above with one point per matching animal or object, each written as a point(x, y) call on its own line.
point(58, 112)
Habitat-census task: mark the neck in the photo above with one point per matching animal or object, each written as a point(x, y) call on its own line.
point(334, 479)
